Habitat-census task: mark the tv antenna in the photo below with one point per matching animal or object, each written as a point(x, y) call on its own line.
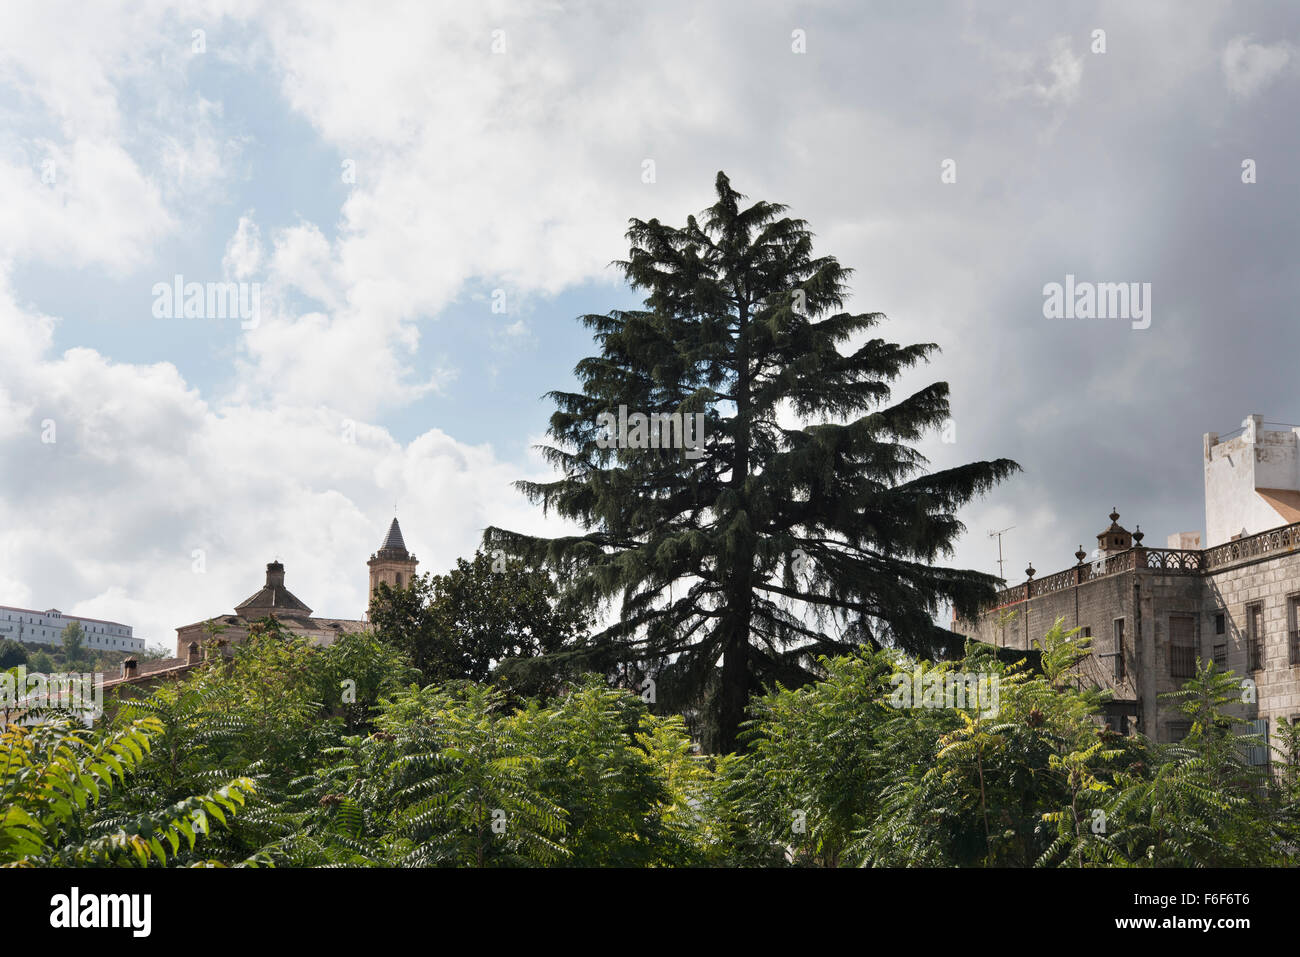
point(998, 535)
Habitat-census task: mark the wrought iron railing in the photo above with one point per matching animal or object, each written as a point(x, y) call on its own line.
point(1171, 561)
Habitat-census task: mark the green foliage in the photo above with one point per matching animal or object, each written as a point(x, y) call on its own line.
point(860, 767)
point(74, 639)
point(49, 659)
point(352, 674)
point(1200, 804)
point(267, 714)
point(810, 781)
point(454, 776)
point(623, 777)
point(12, 654)
point(1041, 782)
point(54, 777)
point(484, 617)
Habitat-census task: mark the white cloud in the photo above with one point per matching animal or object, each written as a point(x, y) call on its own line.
point(1066, 73)
point(519, 169)
point(144, 471)
point(243, 257)
point(84, 203)
point(1250, 67)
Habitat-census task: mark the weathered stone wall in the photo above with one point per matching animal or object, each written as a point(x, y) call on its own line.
point(1162, 597)
point(1147, 599)
point(1093, 605)
point(1270, 582)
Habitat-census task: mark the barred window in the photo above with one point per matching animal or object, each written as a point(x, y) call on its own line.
point(1255, 636)
point(1257, 754)
point(1120, 670)
point(1293, 629)
point(1182, 646)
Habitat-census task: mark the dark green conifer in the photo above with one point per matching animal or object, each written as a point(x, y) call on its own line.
point(807, 523)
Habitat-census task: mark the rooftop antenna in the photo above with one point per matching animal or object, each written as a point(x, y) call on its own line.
point(998, 535)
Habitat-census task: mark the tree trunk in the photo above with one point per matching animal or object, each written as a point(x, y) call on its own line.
point(735, 678)
point(740, 595)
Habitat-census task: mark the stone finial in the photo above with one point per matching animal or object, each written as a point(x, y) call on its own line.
point(1114, 538)
point(1029, 572)
point(1138, 535)
point(1080, 555)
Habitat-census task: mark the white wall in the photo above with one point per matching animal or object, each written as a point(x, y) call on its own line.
point(1235, 469)
point(46, 628)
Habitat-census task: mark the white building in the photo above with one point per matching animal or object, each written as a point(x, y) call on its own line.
point(1252, 481)
point(46, 628)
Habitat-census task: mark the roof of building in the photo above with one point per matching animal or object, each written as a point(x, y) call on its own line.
point(394, 547)
point(55, 611)
point(307, 623)
point(1285, 501)
point(1115, 528)
point(292, 622)
point(394, 541)
point(273, 597)
point(152, 670)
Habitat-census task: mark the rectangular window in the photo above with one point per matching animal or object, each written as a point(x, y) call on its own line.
point(1182, 646)
point(1220, 623)
point(1255, 636)
point(1257, 756)
point(1220, 655)
point(1293, 629)
point(1118, 649)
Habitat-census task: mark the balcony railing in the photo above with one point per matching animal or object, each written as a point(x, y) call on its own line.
point(1285, 538)
point(1171, 561)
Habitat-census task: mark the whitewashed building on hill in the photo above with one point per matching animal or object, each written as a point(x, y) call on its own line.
point(46, 628)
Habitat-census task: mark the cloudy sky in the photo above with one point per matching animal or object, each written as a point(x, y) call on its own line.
point(387, 172)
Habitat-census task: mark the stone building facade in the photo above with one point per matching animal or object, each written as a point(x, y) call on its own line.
point(1152, 612)
point(392, 564)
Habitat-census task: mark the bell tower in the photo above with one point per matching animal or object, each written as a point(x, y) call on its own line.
point(392, 565)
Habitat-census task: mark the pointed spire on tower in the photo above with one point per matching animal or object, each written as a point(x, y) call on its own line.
point(394, 542)
point(392, 565)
